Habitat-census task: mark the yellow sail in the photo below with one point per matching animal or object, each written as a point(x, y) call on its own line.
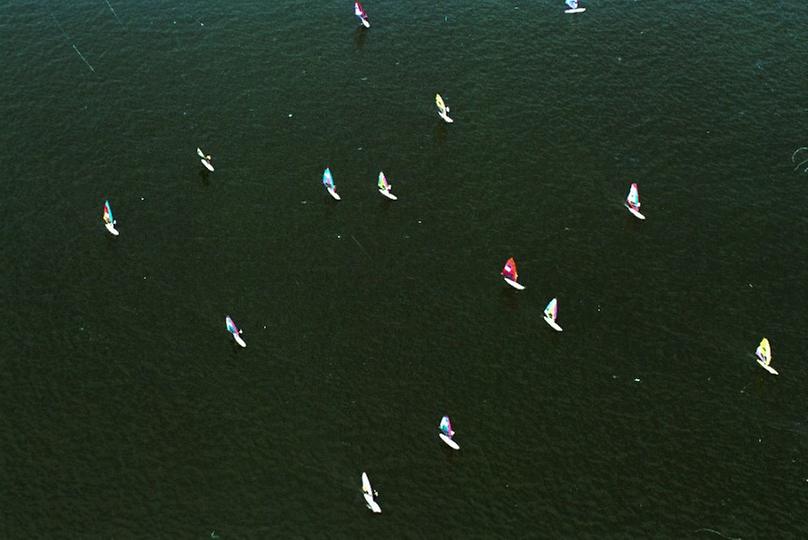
point(764, 351)
point(439, 102)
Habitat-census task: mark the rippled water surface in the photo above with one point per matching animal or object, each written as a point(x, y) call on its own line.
point(127, 411)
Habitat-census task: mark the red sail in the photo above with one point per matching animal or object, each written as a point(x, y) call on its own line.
point(509, 270)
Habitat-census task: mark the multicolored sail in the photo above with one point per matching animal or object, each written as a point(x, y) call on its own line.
point(550, 314)
point(633, 199)
point(509, 270)
point(383, 184)
point(441, 105)
point(446, 427)
point(764, 352)
point(231, 326)
point(108, 214)
point(328, 180)
point(551, 311)
point(234, 331)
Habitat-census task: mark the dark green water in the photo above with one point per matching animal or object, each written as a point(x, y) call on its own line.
point(127, 410)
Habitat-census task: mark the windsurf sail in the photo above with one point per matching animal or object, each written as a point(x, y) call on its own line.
point(551, 311)
point(108, 213)
point(764, 351)
point(441, 105)
point(446, 427)
point(231, 326)
point(328, 181)
point(383, 184)
point(359, 11)
point(573, 4)
point(509, 270)
point(633, 198)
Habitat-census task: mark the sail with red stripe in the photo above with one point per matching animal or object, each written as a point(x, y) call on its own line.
point(360, 12)
point(108, 213)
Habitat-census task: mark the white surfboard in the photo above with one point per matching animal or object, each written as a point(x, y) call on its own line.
point(572, 7)
point(239, 340)
point(388, 194)
point(111, 228)
point(365, 23)
point(514, 284)
point(367, 493)
point(635, 212)
point(204, 159)
point(768, 368)
point(449, 441)
point(445, 117)
point(553, 324)
point(333, 193)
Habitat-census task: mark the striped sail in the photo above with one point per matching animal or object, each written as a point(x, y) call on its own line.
point(359, 11)
point(383, 184)
point(108, 213)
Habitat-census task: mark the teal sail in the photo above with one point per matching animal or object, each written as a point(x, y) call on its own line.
point(328, 180)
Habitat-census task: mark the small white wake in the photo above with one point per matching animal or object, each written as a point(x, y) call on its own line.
point(113, 12)
point(718, 533)
point(803, 162)
point(82, 57)
point(71, 42)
